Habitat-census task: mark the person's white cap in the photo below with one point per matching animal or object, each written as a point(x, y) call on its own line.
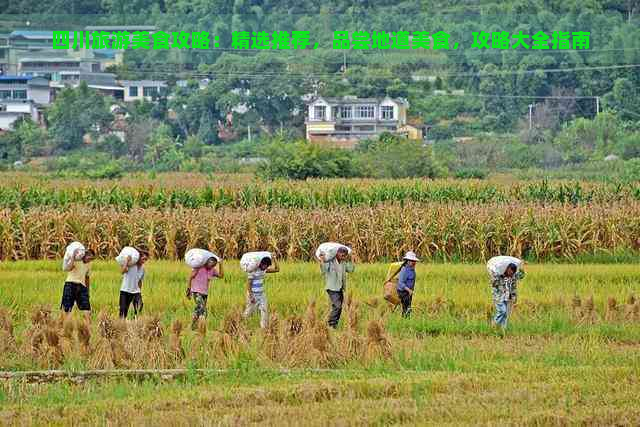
point(411, 256)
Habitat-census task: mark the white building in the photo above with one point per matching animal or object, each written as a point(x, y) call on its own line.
point(10, 111)
point(137, 90)
point(348, 120)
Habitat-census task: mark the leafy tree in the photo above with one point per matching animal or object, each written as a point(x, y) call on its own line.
point(582, 138)
point(162, 153)
point(76, 112)
point(194, 146)
point(623, 99)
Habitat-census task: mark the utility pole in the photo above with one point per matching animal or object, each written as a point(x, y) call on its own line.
point(344, 62)
point(530, 116)
point(249, 132)
point(597, 105)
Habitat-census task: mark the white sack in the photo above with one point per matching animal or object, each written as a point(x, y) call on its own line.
point(128, 251)
point(68, 260)
point(196, 258)
point(496, 266)
point(251, 260)
point(329, 250)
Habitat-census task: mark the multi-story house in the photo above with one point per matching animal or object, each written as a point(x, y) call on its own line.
point(21, 88)
point(348, 120)
point(22, 96)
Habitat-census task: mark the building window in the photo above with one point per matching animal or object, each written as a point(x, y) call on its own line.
point(320, 112)
point(5, 94)
point(364, 112)
point(19, 94)
point(386, 112)
point(346, 112)
point(133, 91)
point(365, 128)
point(149, 91)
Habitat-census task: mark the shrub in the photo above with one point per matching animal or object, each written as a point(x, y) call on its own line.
point(395, 157)
point(302, 160)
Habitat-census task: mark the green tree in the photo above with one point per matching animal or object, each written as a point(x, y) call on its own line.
point(302, 160)
point(623, 100)
point(394, 157)
point(76, 112)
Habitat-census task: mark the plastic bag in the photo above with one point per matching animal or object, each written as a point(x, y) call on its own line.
point(68, 259)
point(128, 251)
point(496, 266)
point(329, 250)
point(196, 258)
point(251, 260)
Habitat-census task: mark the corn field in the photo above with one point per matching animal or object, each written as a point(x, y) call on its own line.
point(313, 194)
point(436, 231)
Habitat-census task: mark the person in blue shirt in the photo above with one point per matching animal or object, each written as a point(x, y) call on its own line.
point(407, 282)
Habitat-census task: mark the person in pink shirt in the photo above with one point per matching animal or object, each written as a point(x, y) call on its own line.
point(198, 287)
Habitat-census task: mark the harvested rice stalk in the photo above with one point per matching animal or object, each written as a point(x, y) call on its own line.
point(378, 344)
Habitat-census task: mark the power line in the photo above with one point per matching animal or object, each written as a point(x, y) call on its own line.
point(241, 74)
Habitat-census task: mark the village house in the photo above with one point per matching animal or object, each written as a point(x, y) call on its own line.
point(345, 121)
point(137, 90)
point(12, 110)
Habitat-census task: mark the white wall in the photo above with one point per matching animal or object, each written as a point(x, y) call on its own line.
point(320, 102)
point(388, 103)
point(39, 95)
point(7, 119)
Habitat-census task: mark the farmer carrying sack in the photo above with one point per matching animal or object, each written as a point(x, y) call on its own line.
point(329, 250)
point(196, 258)
point(76, 248)
point(497, 265)
point(390, 288)
point(251, 260)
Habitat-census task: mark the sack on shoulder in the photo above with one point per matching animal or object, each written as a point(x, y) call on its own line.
point(391, 293)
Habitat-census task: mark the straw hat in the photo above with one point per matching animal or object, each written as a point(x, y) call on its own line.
point(411, 256)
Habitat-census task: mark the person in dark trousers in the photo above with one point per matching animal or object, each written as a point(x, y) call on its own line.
point(131, 288)
point(76, 286)
point(407, 282)
point(335, 275)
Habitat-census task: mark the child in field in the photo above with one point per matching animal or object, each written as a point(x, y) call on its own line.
point(198, 287)
point(131, 289)
point(504, 287)
point(256, 298)
point(76, 286)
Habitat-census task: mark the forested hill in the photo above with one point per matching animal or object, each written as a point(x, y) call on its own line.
point(613, 27)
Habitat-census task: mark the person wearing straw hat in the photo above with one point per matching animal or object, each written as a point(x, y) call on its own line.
point(407, 282)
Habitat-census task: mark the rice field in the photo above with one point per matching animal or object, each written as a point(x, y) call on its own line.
point(569, 355)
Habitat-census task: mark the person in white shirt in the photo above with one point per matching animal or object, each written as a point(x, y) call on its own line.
point(131, 289)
